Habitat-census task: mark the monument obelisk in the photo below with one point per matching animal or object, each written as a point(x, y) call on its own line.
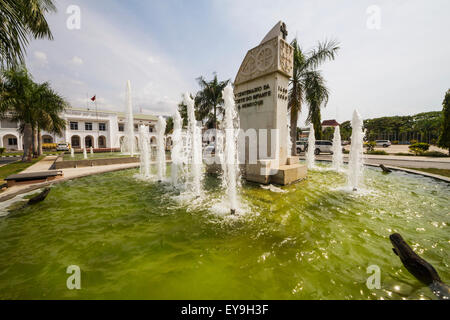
point(261, 95)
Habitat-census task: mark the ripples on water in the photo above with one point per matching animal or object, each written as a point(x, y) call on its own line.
point(140, 239)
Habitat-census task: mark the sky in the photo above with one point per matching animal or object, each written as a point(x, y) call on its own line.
point(394, 56)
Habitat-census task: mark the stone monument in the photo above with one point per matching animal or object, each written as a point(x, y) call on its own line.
point(261, 95)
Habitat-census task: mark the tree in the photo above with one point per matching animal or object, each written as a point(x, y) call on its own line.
point(444, 139)
point(328, 133)
point(209, 100)
point(169, 125)
point(49, 105)
point(34, 106)
point(346, 130)
point(316, 96)
point(307, 84)
point(22, 20)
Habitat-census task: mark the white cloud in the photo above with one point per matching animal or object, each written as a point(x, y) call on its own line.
point(152, 60)
point(76, 61)
point(40, 58)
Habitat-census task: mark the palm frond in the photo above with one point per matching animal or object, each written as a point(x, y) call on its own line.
point(325, 50)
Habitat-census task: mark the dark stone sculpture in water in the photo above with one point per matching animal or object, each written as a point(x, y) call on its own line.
point(40, 197)
point(419, 268)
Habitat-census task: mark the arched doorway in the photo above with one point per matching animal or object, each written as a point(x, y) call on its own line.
point(75, 142)
point(47, 139)
point(102, 142)
point(10, 142)
point(88, 142)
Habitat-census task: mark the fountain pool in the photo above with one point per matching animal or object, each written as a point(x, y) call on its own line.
point(131, 239)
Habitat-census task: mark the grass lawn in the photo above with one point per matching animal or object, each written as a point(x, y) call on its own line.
point(20, 153)
point(15, 167)
point(105, 155)
point(441, 172)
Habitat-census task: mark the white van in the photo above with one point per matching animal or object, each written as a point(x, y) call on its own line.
point(322, 146)
point(383, 143)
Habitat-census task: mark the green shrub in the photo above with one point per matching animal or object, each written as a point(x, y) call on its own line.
point(378, 152)
point(413, 141)
point(345, 151)
point(370, 145)
point(404, 154)
point(2, 150)
point(435, 154)
point(395, 142)
point(419, 148)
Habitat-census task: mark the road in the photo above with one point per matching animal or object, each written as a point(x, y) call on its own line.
point(398, 161)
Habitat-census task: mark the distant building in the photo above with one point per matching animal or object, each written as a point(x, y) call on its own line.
point(330, 123)
point(85, 128)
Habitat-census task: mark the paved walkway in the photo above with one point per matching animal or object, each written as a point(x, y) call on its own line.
point(68, 174)
point(42, 165)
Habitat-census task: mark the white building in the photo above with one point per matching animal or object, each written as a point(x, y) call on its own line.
point(85, 128)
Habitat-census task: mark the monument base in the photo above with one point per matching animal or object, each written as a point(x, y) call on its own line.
point(287, 174)
point(263, 173)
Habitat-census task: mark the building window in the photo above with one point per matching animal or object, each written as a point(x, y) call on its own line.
point(12, 141)
point(47, 139)
point(88, 126)
point(73, 125)
point(136, 127)
point(102, 126)
point(121, 127)
point(75, 141)
point(150, 129)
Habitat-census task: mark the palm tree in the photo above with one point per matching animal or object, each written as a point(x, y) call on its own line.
point(34, 106)
point(22, 20)
point(316, 95)
point(49, 106)
point(307, 84)
point(209, 99)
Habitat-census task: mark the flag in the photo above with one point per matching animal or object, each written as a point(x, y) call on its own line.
point(93, 98)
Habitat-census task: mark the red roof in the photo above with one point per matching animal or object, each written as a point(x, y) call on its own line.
point(331, 123)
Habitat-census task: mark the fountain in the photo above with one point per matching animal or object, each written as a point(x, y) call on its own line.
point(356, 165)
point(72, 152)
point(230, 165)
point(129, 140)
point(194, 146)
point(338, 158)
point(144, 146)
point(161, 152)
point(310, 156)
point(177, 149)
point(85, 153)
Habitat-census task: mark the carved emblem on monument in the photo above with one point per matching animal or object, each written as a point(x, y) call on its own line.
point(286, 54)
point(273, 54)
point(265, 58)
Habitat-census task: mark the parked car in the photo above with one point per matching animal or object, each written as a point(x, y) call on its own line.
point(322, 146)
point(62, 146)
point(301, 146)
point(383, 143)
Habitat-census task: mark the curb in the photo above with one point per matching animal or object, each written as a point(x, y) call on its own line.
point(420, 173)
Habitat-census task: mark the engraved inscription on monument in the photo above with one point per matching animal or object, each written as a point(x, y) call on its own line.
point(252, 97)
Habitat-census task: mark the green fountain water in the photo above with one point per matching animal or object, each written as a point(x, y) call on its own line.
point(133, 240)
